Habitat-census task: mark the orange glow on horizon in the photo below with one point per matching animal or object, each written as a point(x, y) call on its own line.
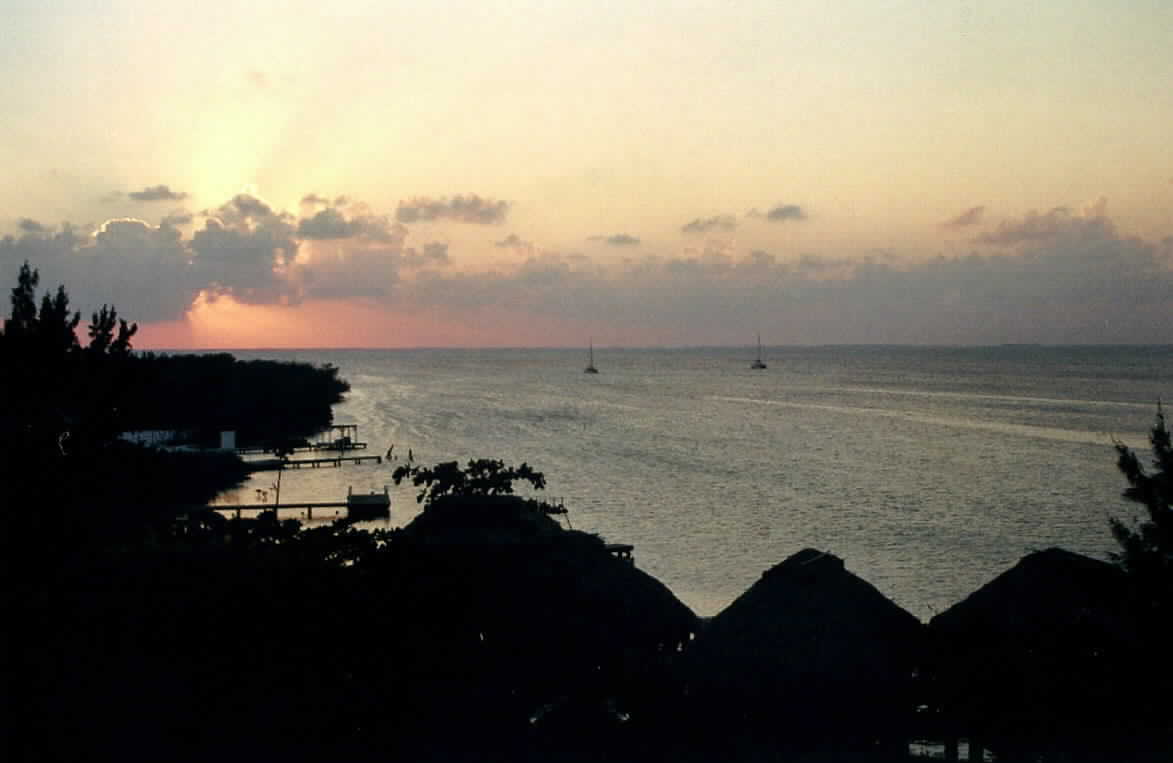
point(226, 324)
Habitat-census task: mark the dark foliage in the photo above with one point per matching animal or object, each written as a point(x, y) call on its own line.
point(59, 394)
point(228, 637)
point(147, 627)
point(264, 401)
point(482, 476)
point(69, 482)
point(1146, 547)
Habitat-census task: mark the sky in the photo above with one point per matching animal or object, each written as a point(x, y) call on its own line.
point(402, 174)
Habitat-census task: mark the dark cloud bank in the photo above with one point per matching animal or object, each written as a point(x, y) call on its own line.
point(157, 193)
point(463, 209)
point(332, 224)
point(709, 224)
point(245, 249)
point(1053, 277)
point(1072, 279)
point(618, 239)
point(971, 216)
point(780, 213)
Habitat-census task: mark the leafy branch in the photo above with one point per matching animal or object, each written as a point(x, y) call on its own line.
point(483, 476)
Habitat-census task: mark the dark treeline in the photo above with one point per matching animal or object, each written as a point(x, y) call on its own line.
point(66, 470)
point(262, 400)
point(142, 628)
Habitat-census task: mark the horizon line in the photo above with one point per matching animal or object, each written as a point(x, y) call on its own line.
point(903, 345)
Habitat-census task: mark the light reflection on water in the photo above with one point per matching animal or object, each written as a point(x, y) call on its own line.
point(929, 470)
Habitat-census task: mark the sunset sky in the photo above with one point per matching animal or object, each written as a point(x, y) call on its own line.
point(385, 174)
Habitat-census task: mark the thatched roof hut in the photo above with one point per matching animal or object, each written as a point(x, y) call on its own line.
point(811, 646)
point(1045, 597)
point(1046, 656)
point(500, 603)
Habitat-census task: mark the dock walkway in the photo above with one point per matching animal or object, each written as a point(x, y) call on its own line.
point(277, 464)
point(311, 448)
point(309, 506)
point(356, 504)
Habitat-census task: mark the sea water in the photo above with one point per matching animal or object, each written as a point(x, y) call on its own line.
point(929, 470)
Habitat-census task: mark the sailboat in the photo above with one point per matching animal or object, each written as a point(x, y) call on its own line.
point(758, 363)
point(590, 369)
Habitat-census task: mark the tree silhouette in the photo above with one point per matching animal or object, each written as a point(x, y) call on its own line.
point(70, 482)
point(24, 303)
point(101, 331)
point(1146, 547)
point(484, 476)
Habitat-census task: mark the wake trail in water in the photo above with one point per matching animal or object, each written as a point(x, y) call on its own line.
point(978, 396)
point(1055, 434)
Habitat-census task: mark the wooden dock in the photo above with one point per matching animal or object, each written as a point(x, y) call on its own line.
point(308, 506)
point(345, 438)
point(316, 447)
point(356, 504)
point(277, 464)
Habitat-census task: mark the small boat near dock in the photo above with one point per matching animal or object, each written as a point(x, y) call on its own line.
point(370, 505)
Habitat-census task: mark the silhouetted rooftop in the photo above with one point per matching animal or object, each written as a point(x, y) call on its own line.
point(1045, 595)
point(806, 626)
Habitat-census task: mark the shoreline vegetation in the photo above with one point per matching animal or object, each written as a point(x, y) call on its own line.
point(484, 629)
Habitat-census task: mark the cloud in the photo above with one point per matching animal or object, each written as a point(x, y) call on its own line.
point(1058, 277)
point(971, 216)
point(353, 273)
point(434, 253)
point(331, 224)
point(1097, 286)
point(517, 245)
point(247, 264)
point(1059, 223)
point(314, 199)
point(245, 206)
point(784, 212)
point(245, 249)
point(463, 209)
point(512, 240)
point(327, 224)
point(760, 258)
point(28, 225)
point(720, 222)
point(619, 239)
point(141, 269)
point(156, 193)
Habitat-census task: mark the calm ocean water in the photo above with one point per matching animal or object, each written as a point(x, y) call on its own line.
point(928, 470)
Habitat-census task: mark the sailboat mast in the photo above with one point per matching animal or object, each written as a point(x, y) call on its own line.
point(758, 362)
point(590, 369)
